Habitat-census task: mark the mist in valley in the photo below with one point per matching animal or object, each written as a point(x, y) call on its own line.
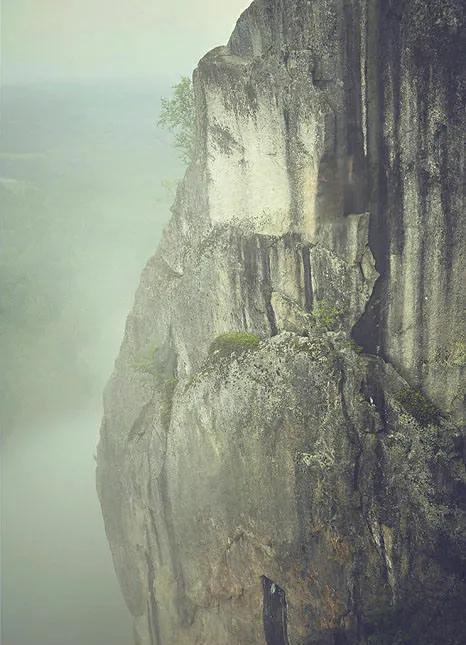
point(83, 207)
point(86, 181)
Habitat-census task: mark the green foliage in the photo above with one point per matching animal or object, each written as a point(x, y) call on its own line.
point(233, 342)
point(326, 315)
point(146, 362)
point(157, 362)
point(419, 406)
point(458, 354)
point(178, 116)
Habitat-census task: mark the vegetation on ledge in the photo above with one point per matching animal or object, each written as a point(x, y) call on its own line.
point(326, 316)
point(233, 342)
point(178, 116)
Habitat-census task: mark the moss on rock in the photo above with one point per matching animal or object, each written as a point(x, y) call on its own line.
point(233, 343)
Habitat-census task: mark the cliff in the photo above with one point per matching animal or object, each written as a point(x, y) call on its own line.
point(303, 481)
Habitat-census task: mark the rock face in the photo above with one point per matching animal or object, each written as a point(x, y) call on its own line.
point(309, 488)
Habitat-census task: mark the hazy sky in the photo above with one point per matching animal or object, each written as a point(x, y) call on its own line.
point(88, 39)
point(92, 162)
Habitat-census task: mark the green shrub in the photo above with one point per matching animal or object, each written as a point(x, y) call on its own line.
point(419, 406)
point(177, 115)
point(233, 342)
point(326, 315)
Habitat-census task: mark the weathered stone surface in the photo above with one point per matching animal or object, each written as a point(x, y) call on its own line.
point(305, 477)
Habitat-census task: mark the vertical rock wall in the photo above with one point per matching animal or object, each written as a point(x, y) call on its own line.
point(414, 95)
point(302, 492)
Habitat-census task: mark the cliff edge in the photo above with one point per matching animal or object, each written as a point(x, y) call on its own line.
point(282, 453)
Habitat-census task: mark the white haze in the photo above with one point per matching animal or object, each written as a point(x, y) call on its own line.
point(81, 210)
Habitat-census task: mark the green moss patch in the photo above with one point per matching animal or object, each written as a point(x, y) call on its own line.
point(233, 343)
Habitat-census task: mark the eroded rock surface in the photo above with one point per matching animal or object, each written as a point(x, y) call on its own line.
point(303, 492)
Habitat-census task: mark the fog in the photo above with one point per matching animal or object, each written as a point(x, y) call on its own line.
point(63, 39)
point(82, 207)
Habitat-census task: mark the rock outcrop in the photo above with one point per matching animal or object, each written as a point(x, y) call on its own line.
point(307, 487)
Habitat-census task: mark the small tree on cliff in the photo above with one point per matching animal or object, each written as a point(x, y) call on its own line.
point(177, 115)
